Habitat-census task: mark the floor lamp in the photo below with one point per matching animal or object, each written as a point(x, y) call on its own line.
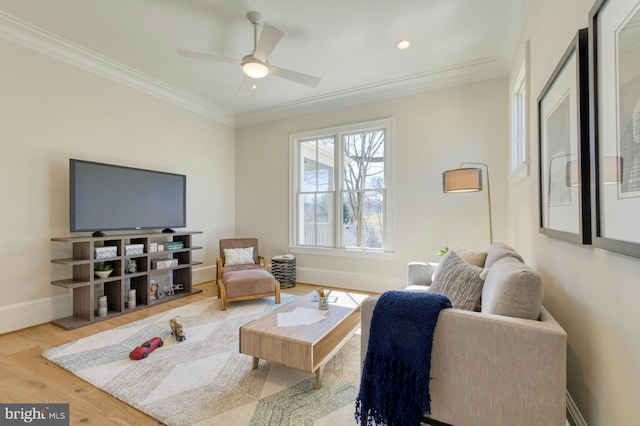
point(468, 179)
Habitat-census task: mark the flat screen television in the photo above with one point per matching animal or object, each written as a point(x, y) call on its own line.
point(107, 197)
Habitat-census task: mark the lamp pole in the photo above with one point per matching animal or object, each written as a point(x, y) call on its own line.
point(486, 167)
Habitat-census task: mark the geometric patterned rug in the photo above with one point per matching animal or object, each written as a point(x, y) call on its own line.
point(204, 380)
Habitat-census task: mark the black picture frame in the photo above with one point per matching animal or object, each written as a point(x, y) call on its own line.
point(563, 135)
point(615, 142)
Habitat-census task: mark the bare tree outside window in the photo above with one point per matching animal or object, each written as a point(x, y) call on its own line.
point(363, 191)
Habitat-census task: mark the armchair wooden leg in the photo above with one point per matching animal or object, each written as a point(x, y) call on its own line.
point(222, 295)
point(277, 292)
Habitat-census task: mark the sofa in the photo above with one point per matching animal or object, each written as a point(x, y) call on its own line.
point(501, 360)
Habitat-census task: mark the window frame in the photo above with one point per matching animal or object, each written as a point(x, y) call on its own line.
point(519, 124)
point(294, 169)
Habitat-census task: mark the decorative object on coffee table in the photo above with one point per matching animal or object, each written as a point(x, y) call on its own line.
point(323, 298)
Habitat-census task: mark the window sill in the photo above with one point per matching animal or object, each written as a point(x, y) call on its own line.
point(355, 253)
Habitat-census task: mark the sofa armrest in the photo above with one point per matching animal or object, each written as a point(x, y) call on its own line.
point(492, 369)
point(420, 273)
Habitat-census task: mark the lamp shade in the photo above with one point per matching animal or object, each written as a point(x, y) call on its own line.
point(462, 180)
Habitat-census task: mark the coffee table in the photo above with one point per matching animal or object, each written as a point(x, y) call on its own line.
point(305, 347)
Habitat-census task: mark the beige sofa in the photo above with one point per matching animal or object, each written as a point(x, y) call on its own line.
point(494, 367)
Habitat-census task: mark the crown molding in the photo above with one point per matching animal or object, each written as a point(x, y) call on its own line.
point(437, 78)
point(34, 38)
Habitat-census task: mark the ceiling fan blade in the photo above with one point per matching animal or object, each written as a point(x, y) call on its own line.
point(307, 80)
point(269, 39)
point(200, 55)
point(246, 88)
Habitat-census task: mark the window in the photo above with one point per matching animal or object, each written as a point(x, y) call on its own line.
point(340, 187)
point(518, 121)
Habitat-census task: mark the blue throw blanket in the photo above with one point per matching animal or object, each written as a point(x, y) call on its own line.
point(394, 389)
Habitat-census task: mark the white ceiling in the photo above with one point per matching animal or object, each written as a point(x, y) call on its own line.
point(349, 44)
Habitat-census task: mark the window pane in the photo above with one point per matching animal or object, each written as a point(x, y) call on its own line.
point(317, 157)
point(324, 220)
point(363, 219)
point(317, 219)
point(363, 160)
point(518, 121)
point(326, 161)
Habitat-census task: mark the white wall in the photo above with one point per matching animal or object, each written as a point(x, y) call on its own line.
point(593, 293)
point(51, 112)
point(433, 132)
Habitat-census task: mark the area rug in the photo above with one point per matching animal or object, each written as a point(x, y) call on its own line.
point(204, 380)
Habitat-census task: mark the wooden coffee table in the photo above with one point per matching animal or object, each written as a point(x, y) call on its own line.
point(305, 347)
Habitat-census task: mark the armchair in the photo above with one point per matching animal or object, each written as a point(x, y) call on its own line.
point(241, 273)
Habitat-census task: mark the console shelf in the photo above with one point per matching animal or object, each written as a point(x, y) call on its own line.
point(87, 287)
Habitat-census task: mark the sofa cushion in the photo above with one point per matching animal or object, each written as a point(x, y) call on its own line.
point(460, 281)
point(497, 251)
point(512, 289)
point(248, 282)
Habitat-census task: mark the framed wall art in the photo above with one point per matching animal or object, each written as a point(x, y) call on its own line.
point(614, 45)
point(563, 129)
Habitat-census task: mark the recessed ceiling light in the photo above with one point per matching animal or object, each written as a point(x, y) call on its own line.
point(403, 44)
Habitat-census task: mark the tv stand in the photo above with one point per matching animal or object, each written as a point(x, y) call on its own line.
point(168, 231)
point(98, 234)
point(87, 287)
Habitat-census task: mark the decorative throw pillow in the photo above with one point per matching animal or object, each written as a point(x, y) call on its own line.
point(470, 256)
point(239, 256)
point(460, 281)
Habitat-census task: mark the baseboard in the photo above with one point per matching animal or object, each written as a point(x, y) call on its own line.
point(34, 312)
point(575, 417)
point(202, 274)
point(350, 280)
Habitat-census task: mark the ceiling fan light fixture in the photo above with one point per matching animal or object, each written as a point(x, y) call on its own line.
point(254, 69)
point(403, 44)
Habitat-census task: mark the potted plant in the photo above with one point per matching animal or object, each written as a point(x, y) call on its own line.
point(442, 252)
point(103, 270)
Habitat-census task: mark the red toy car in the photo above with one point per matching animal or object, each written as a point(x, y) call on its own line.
point(146, 348)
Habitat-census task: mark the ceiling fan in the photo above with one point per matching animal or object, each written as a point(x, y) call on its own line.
point(255, 65)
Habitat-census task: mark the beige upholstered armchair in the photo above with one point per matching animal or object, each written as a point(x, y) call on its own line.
point(241, 273)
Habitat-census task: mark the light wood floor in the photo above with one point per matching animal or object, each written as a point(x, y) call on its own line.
point(26, 377)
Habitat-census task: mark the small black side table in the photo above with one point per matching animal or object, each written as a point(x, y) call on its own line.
point(283, 269)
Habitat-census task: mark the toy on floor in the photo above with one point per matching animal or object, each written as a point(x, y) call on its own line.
point(146, 348)
point(176, 330)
